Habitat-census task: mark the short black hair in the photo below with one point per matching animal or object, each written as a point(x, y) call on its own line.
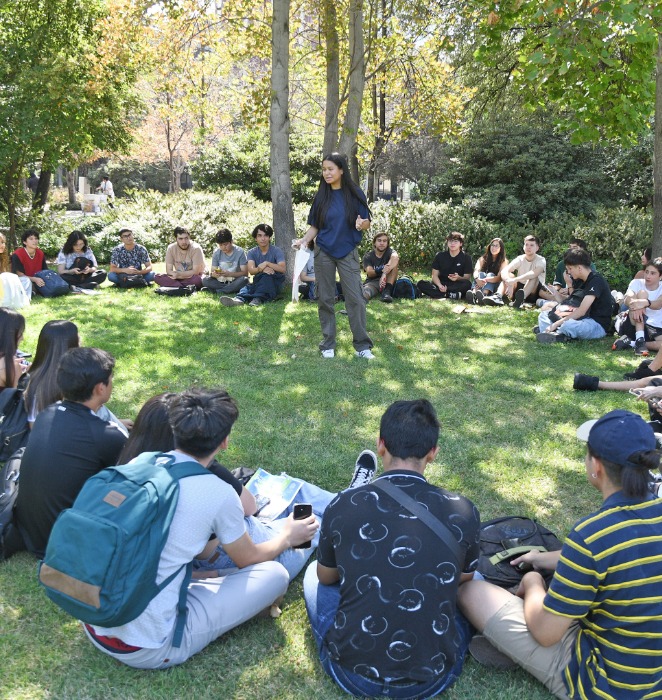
point(201, 419)
point(224, 235)
point(533, 238)
point(578, 242)
point(409, 429)
point(29, 232)
point(633, 480)
point(81, 369)
point(264, 228)
point(577, 256)
point(180, 230)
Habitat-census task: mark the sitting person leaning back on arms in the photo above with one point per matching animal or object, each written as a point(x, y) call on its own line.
point(595, 634)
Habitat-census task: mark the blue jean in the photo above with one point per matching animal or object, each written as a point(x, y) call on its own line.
point(579, 329)
point(322, 604)
point(292, 559)
point(264, 287)
point(114, 278)
point(489, 286)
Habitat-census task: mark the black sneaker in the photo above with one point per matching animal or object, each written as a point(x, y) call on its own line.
point(470, 297)
point(548, 338)
point(364, 470)
point(623, 343)
point(453, 295)
point(519, 299)
point(478, 297)
point(585, 382)
point(642, 372)
point(640, 348)
point(536, 330)
point(386, 298)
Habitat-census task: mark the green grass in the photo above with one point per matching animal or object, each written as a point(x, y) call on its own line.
point(508, 417)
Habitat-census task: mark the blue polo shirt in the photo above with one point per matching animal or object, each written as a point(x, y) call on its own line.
point(609, 578)
point(336, 237)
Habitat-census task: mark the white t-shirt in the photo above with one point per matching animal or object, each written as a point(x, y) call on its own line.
point(206, 506)
point(522, 265)
point(653, 316)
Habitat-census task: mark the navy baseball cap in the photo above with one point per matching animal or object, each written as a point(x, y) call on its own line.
point(618, 435)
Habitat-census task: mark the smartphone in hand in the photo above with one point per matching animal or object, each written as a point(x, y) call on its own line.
point(300, 512)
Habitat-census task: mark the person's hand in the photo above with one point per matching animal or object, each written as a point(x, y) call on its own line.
point(532, 578)
point(269, 271)
point(300, 244)
point(360, 222)
point(20, 366)
point(38, 281)
point(127, 423)
point(300, 531)
point(649, 392)
point(442, 287)
point(132, 271)
point(481, 282)
point(382, 282)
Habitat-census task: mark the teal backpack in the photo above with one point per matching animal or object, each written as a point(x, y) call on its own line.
point(103, 553)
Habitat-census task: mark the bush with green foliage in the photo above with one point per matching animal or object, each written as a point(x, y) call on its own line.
point(128, 175)
point(241, 162)
point(506, 171)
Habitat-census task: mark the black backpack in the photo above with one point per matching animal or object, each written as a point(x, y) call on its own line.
point(404, 288)
point(14, 428)
point(176, 291)
point(504, 539)
point(9, 487)
point(125, 281)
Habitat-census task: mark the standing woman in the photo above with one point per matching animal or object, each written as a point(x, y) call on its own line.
point(337, 220)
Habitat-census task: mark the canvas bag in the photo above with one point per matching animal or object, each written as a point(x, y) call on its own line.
point(103, 553)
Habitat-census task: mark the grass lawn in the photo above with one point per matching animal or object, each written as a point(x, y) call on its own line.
point(508, 415)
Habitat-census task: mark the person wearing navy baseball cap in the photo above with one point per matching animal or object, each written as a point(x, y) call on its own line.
point(596, 632)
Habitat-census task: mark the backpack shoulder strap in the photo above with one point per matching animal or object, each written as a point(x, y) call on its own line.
point(424, 515)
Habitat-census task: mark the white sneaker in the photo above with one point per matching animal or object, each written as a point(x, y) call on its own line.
point(328, 354)
point(365, 354)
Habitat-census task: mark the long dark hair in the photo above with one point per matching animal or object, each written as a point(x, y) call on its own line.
point(489, 263)
point(12, 327)
point(72, 239)
point(55, 338)
point(3, 267)
point(151, 432)
point(352, 194)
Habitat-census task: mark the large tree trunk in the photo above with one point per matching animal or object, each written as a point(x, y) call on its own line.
point(44, 184)
point(279, 122)
point(350, 128)
point(330, 22)
point(657, 155)
point(71, 185)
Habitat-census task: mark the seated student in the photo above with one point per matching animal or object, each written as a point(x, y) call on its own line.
point(12, 294)
point(266, 263)
point(55, 338)
point(643, 324)
point(152, 433)
point(229, 266)
point(308, 287)
point(595, 632)
point(76, 263)
point(67, 445)
point(28, 260)
point(129, 258)
point(185, 262)
point(381, 597)
point(646, 257)
point(487, 275)
point(12, 368)
point(201, 421)
point(588, 321)
point(524, 276)
point(451, 271)
point(381, 269)
point(563, 284)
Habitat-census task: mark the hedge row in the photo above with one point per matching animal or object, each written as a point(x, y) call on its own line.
point(418, 230)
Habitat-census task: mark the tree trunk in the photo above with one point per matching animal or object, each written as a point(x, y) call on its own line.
point(330, 24)
point(279, 123)
point(657, 155)
point(41, 195)
point(71, 185)
point(350, 128)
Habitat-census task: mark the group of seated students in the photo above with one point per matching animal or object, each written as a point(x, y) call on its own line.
point(393, 606)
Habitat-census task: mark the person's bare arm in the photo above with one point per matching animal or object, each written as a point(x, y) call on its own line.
point(547, 628)
point(327, 575)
